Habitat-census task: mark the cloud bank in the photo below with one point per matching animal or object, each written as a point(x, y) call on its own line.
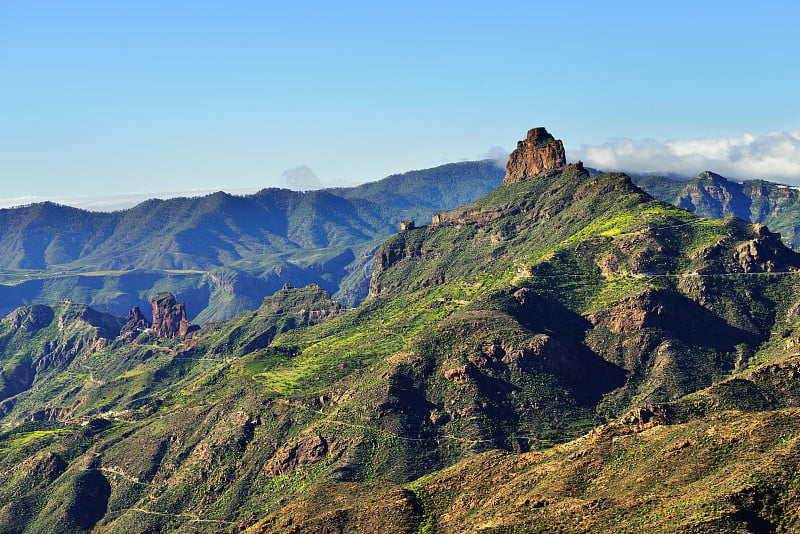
point(300, 178)
point(773, 156)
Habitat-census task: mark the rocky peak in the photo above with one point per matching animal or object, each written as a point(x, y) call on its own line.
point(711, 177)
point(169, 317)
point(311, 304)
point(539, 152)
point(135, 322)
point(31, 317)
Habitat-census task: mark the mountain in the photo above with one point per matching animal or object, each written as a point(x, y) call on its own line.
point(711, 195)
point(221, 253)
point(420, 194)
point(566, 353)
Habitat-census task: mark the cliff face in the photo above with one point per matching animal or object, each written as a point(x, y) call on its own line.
point(473, 215)
point(169, 317)
point(765, 253)
point(540, 151)
point(40, 342)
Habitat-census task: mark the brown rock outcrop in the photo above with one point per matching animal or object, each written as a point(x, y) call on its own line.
point(765, 253)
point(539, 152)
point(652, 308)
point(311, 448)
point(30, 317)
point(473, 215)
point(459, 374)
point(135, 322)
point(545, 352)
point(169, 317)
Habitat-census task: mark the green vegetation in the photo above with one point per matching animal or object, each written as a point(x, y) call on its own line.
point(710, 195)
point(564, 354)
point(220, 253)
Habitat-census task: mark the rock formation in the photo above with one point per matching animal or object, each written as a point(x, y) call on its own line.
point(473, 215)
point(539, 152)
point(309, 305)
point(169, 317)
point(765, 253)
point(30, 317)
point(135, 322)
point(311, 448)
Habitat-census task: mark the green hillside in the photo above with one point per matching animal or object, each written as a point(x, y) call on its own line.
point(564, 354)
point(711, 195)
point(221, 253)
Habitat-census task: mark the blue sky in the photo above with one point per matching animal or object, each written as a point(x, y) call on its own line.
point(109, 98)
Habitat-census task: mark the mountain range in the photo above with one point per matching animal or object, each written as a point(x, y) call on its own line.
point(220, 253)
point(711, 195)
point(564, 354)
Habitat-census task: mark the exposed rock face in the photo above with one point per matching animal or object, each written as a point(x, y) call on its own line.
point(169, 317)
point(472, 215)
point(79, 331)
point(309, 449)
point(31, 317)
point(135, 322)
point(311, 304)
point(459, 374)
point(765, 253)
point(714, 196)
point(664, 310)
point(539, 152)
point(386, 257)
point(487, 215)
point(546, 353)
point(108, 326)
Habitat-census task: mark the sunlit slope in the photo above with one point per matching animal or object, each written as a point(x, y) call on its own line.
point(712, 195)
point(221, 253)
point(546, 308)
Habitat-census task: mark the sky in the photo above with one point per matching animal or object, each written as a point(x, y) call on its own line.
point(107, 103)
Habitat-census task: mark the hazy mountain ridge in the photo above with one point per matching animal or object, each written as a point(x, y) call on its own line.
point(196, 234)
point(221, 253)
point(556, 304)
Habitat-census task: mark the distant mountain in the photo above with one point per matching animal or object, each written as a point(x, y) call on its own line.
point(420, 194)
point(711, 195)
point(221, 253)
point(186, 233)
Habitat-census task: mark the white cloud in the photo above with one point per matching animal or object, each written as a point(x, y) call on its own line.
point(772, 156)
point(498, 155)
point(300, 178)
